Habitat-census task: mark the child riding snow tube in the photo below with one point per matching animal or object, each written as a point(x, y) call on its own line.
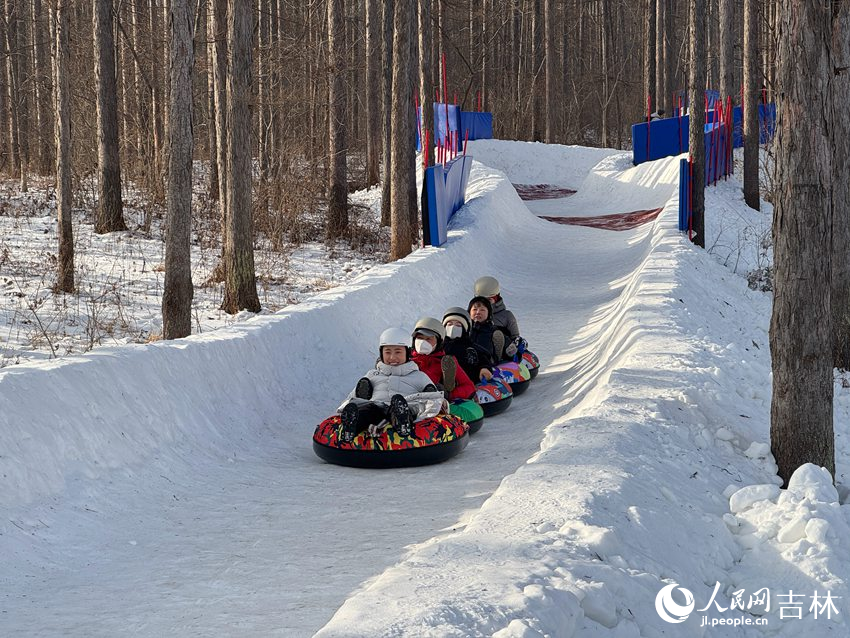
point(470, 412)
point(494, 396)
point(433, 440)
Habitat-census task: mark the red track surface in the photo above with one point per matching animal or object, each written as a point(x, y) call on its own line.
point(619, 221)
point(530, 192)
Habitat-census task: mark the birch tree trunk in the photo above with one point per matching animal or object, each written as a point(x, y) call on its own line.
point(110, 214)
point(178, 290)
point(62, 100)
point(240, 283)
point(425, 87)
point(801, 334)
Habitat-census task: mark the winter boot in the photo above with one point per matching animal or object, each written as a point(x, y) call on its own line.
point(449, 367)
point(400, 415)
point(499, 344)
point(348, 423)
point(363, 389)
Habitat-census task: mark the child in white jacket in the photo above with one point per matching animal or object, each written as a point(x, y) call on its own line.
point(395, 391)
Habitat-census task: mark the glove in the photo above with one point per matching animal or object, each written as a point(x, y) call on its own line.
point(376, 429)
point(510, 349)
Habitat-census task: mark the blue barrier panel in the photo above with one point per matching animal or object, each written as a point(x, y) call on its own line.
point(666, 137)
point(444, 193)
point(665, 134)
point(479, 125)
point(440, 122)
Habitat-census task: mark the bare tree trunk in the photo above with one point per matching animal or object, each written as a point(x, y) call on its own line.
point(840, 132)
point(400, 142)
point(801, 334)
point(110, 214)
point(178, 291)
point(373, 102)
point(13, 90)
point(42, 90)
point(337, 136)
point(157, 115)
point(425, 86)
point(552, 102)
point(143, 126)
point(264, 101)
point(727, 49)
point(413, 69)
point(660, 19)
point(219, 10)
point(208, 53)
point(537, 91)
point(387, 93)
point(240, 289)
point(752, 84)
point(64, 195)
point(23, 94)
point(604, 64)
point(649, 53)
point(697, 118)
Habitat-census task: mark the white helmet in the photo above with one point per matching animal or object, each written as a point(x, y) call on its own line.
point(486, 287)
point(394, 337)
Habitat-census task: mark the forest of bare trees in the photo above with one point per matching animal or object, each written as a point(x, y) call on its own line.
point(308, 100)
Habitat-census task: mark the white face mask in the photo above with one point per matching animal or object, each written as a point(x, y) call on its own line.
point(423, 347)
point(454, 332)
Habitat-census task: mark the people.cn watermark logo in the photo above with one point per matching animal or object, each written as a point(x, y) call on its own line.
point(669, 609)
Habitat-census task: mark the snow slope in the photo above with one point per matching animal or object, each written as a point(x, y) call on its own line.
point(170, 489)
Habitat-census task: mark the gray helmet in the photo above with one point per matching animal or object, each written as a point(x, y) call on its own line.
point(458, 313)
point(486, 287)
point(430, 326)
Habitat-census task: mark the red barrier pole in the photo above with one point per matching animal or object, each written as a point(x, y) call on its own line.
point(764, 95)
point(465, 140)
point(648, 123)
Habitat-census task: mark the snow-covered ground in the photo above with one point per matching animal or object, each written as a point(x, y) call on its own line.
point(120, 276)
point(170, 488)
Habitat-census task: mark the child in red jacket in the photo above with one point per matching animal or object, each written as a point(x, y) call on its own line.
point(429, 337)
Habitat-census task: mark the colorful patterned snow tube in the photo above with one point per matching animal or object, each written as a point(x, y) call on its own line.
point(433, 440)
point(516, 375)
point(494, 396)
point(470, 412)
point(531, 362)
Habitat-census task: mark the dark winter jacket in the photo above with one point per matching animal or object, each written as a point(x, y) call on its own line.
point(504, 319)
point(432, 365)
point(481, 335)
point(470, 357)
